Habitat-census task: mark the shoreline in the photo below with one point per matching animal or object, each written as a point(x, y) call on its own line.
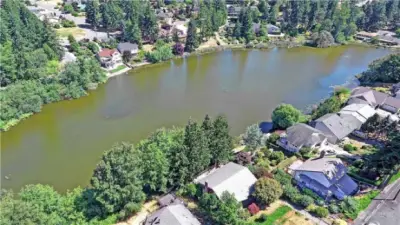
point(203, 51)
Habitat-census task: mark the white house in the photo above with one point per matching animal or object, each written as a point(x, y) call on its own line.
point(325, 176)
point(109, 58)
point(231, 177)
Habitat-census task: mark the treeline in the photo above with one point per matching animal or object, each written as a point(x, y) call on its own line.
point(31, 74)
point(386, 70)
point(212, 15)
point(126, 176)
point(136, 19)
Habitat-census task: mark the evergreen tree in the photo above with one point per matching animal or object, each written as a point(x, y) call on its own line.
point(93, 13)
point(220, 142)
point(274, 12)
point(207, 127)
point(7, 64)
point(263, 30)
point(111, 15)
point(196, 148)
point(247, 25)
point(264, 8)
point(117, 181)
point(132, 32)
point(192, 41)
point(237, 30)
point(148, 24)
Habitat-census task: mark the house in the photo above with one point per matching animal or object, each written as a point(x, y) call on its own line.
point(335, 127)
point(231, 177)
point(234, 11)
point(301, 135)
point(383, 37)
point(109, 58)
point(375, 99)
point(176, 214)
point(325, 176)
point(133, 49)
point(361, 112)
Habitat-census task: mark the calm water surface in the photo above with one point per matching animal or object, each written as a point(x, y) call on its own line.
point(62, 144)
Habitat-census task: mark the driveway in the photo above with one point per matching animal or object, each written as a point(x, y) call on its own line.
point(384, 209)
point(79, 21)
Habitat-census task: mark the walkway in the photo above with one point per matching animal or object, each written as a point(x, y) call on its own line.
point(137, 219)
point(306, 214)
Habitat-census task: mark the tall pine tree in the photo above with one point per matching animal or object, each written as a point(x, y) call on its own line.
point(220, 142)
point(192, 41)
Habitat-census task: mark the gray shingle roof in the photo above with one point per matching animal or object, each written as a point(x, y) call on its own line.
point(303, 135)
point(338, 126)
point(333, 168)
point(174, 214)
point(127, 46)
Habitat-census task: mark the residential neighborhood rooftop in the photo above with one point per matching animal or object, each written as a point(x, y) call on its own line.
point(174, 214)
point(303, 135)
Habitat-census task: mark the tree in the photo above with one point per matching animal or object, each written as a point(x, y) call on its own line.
point(247, 24)
point(117, 181)
point(252, 137)
point(267, 191)
point(93, 13)
point(7, 64)
point(111, 15)
point(192, 41)
point(155, 167)
point(263, 30)
point(263, 7)
point(285, 115)
point(237, 29)
point(323, 39)
point(220, 141)
point(163, 52)
point(132, 33)
point(178, 49)
point(148, 23)
point(385, 70)
point(196, 148)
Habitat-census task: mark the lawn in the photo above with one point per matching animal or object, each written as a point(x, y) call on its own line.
point(119, 68)
point(276, 215)
point(287, 162)
point(365, 200)
point(74, 31)
point(395, 177)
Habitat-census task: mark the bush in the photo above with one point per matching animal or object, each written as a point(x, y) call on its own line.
point(349, 148)
point(68, 23)
point(333, 208)
point(321, 212)
point(57, 26)
point(305, 200)
point(178, 49)
point(285, 115)
point(163, 52)
point(267, 191)
point(273, 138)
point(75, 14)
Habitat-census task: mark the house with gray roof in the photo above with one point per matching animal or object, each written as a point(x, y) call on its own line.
point(301, 135)
point(335, 127)
point(128, 47)
point(176, 214)
point(375, 99)
point(361, 112)
point(231, 177)
point(325, 176)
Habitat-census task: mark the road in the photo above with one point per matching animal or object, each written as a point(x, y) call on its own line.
point(79, 21)
point(384, 210)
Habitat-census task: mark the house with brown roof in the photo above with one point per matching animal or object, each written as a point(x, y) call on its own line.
point(109, 58)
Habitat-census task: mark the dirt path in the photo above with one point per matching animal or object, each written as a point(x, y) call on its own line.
point(147, 208)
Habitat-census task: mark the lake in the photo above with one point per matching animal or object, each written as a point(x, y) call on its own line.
point(61, 145)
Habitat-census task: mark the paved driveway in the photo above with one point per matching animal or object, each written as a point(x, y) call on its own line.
point(384, 209)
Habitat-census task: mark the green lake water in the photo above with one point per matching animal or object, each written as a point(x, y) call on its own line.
point(61, 145)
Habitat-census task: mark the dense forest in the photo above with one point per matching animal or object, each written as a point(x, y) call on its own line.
point(331, 20)
point(30, 70)
point(125, 177)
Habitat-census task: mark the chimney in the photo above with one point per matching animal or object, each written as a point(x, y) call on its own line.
point(322, 154)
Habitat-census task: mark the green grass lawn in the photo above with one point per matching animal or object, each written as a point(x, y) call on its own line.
point(395, 177)
point(276, 215)
point(120, 67)
point(365, 200)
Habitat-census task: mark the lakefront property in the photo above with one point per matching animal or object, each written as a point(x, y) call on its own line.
point(290, 117)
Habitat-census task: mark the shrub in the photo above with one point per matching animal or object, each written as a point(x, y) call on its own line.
point(333, 208)
point(286, 115)
point(57, 26)
point(68, 23)
point(321, 212)
point(305, 200)
point(178, 49)
point(273, 138)
point(267, 191)
point(349, 148)
point(292, 193)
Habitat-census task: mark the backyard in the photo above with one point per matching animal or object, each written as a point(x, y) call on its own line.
point(283, 215)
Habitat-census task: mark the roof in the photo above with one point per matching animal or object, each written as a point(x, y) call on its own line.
point(346, 184)
point(233, 178)
point(360, 111)
point(373, 97)
point(338, 126)
point(333, 168)
point(394, 102)
point(303, 135)
point(174, 214)
point(367, 34)
point(106, 52)
point(127, 46)
point(166, 200)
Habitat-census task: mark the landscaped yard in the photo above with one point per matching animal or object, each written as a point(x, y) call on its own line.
point(119, 68)
point(280, 214)
point(74, 31)
point(276, 215)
